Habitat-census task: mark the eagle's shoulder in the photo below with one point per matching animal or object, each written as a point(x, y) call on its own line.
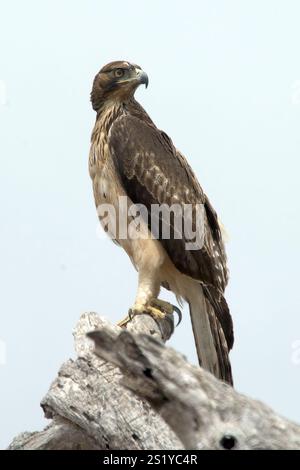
point(143, 152)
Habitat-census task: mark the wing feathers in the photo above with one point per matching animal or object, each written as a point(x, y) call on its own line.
point(154, 172)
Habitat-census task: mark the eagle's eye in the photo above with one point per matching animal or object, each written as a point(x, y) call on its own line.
point(119, 73)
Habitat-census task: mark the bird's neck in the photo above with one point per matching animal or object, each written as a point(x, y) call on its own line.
point(134, 108)
point(112, 109)
point(108, 113)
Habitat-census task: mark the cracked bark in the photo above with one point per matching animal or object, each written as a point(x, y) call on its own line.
point(135, 393)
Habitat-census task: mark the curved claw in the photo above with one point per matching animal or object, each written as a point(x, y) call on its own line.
point(171, 325)
point(130, 314)
point(178, 311)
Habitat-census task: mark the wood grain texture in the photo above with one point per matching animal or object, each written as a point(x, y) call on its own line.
point(136, 393)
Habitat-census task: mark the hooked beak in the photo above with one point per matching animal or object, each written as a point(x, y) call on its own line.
point(142, 77)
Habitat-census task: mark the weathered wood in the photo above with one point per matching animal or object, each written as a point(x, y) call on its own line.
point(88, 394)
point(204, 412)
point(59, 435)
point(135, 393)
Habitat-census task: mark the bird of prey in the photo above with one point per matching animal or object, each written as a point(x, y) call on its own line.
point(131, 159)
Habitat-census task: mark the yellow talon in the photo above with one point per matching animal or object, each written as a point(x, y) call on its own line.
point(124, 322)
point(157, 308)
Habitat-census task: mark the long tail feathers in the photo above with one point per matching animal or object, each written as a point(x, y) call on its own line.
point(213, 332)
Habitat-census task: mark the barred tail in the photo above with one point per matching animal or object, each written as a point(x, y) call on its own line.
point(213, 332)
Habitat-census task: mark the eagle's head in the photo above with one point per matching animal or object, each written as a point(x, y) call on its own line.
point(116, 81)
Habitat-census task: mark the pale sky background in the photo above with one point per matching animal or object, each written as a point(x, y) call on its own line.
point(225, 85)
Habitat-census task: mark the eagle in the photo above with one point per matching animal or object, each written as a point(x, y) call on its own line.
point(132, 160)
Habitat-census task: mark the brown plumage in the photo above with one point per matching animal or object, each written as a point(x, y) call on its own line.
point(130, 157)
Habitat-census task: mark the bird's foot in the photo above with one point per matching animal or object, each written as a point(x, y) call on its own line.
point(165, 308)
point(158, 309)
